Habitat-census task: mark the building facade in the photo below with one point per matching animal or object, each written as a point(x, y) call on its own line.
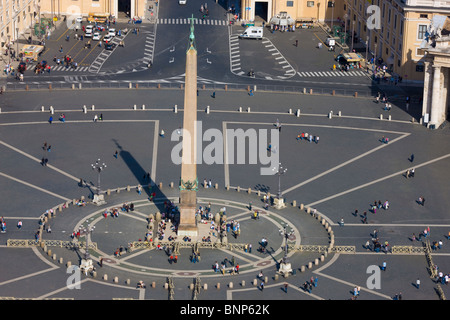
point(436, 93)
point(16, 17)
point(116, 8)
point(402, 28)
point(299, 10)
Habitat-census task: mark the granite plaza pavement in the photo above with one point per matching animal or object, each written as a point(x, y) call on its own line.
point(347, 170)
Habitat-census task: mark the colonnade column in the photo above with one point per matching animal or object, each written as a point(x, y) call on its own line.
point(436, 98)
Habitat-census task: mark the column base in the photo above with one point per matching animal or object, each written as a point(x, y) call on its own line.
point(187, 230)
point(99, 199)
point(279, 203)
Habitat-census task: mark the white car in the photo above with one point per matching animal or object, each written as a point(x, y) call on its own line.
point(79, 20)
point(181, 1)
point(108, 38)
point(96, 36)
point(112, 32)
point(88, 32)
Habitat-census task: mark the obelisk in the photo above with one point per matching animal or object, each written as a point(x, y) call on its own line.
point(189, 180)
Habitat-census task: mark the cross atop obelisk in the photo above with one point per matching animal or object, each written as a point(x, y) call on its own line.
point(189, 180)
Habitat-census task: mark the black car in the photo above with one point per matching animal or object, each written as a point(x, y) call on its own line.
point(110, 46)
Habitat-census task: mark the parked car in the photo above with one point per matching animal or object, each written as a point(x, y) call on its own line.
point(89, 30)
point(96, 36)
point(110, 46)
point(112, 31)
point(108, 38)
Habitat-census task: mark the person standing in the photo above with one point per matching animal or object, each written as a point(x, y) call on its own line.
point(262, 286)
point(285, 287)
point(418, 283)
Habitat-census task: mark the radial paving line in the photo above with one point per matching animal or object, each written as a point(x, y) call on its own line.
point(226, 169)
point(33, 186)
point(39, 161)
point(378, 180)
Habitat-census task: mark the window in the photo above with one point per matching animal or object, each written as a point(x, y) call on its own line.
point(424, 16)
point(422, 29)
point(395, 21)
point(387, 51)
point(289, 3)
point(310, 4)
point(398, 62)
point(420, 68)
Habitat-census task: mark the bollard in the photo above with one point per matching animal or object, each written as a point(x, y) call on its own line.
point(310, 265)
point(249, 190)
point(381, 117)
point(137, 86)
point(238, 189)
point(228, 188)
point(218, 285)
point(243, 283)
point(310, 91)
point(191, 286)
point(304, 90)
point(128, 188)
point(166, 286)
point(356, 94)
point(294, 203)
point(330, 114)
point(79, 85)
point(302, 269)
point(108, 192)
point(134, 107)
point(276, 277)
point(52, 110)
point(118, 190)
point(316, 261)
point(61, 260)
point(50, 87)
point(153, 284)
point(207, 110)
point(308, 210)
point(205, 286)
point(248, 109)
point(389, 118)
point(266, 279)
point(226, 87)
point(130, 85)
point(322, 258)
point(94, 274)
point(158, 86)
point(290, 111)
point(339, 113)
point(171, 185)
point(255, 282)
point(92, 107)
point(216, 186)
point(49, 252)
point(116, 280)
point(105, 277)
point(73, 86)
point(143, 107)
point(42, 109)
point(54, 256)
point(69, 264)
point(240, 109)
point(302, 206)
point(333, 93)
point(230, 285)
point(175, 109)
point(298, 113)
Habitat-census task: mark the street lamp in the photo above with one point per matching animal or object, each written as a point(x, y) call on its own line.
point(285, 266)
point(345, 28)
point(87, 231)
point(332, 14)
point(279, 201)
point(284, 233)
point(98, 197)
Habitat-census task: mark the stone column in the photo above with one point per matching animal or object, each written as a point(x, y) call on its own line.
point(435, 116)
point(427, 89)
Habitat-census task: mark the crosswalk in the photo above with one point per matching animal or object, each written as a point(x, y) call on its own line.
point(97, 64)
point(62, 68)
point(211, 22)
point(337, 73)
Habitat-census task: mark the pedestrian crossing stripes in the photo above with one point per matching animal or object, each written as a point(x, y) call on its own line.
point(213, 22)
point(63, 68)
point(336, 73)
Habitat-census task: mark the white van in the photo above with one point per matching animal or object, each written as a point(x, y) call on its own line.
point(252, 32)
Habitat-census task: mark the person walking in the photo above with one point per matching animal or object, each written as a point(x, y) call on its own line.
point(285, 287)
point(262, 286)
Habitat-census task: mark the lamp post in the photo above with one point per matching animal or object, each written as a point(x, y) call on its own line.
point(279, 201)
point(87, 231)
point(98, 197)
point(285, 234)
point(332, 15)
point(285, 266)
